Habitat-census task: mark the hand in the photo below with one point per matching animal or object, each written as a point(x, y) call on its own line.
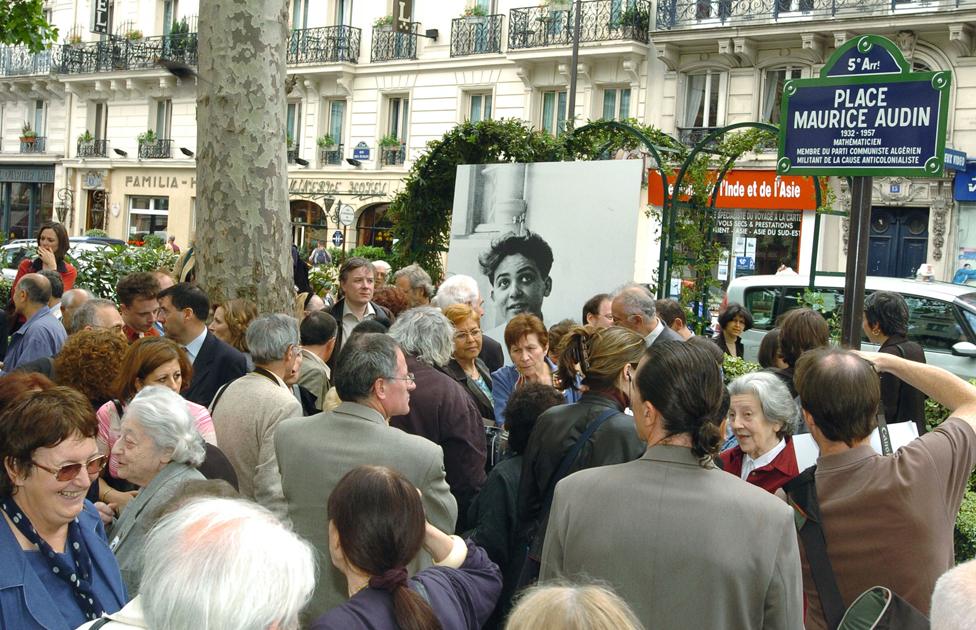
point(47, 258)
point(121, 499)
point(877, 359)
point(106, 512)
point(437, 543)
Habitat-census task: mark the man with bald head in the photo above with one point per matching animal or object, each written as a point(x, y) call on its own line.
point(41, 335)
point(633, 307)
point(70, 301)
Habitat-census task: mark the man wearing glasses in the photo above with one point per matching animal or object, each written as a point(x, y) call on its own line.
point(314, 453)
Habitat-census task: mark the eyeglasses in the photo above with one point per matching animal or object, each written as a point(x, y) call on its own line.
point(68, 472)
point(408, 377)
point(461, 335)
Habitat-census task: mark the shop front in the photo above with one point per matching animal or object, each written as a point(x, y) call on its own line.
point(26, 198)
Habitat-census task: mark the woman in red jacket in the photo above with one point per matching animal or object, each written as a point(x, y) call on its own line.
point(52, 245)
point(762, 415)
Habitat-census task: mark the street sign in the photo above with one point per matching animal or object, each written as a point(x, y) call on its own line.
point(360, 151)
point(403, 16)
point(346, 215)
point(955, 160)
point(965, 188)
point(867, 114)
point(337, 239)
point(99, 22)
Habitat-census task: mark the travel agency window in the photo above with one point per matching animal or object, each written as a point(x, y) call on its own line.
point(148, 215)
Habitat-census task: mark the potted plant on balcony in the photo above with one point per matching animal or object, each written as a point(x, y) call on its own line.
point(475, 14)
point(636, 18)
point(384, 23)
point(74, 39)
point(86, 143)
point(134, 35)
point(27, 134)
point(389, 141)
point(147, 137)
point(326, 142)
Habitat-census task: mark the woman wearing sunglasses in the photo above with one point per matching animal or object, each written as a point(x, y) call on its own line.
point(58, 571)
point(158, 450)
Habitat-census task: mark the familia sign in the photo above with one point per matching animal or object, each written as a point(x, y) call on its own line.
point(867, 114)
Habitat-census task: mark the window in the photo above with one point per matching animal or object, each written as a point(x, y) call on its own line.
point(294, 124)
point(337, 114)
point(99, 120)
point(299, 13)
point(554, 111)
point(396, 120)
point(932, 324)
point(772, 96)
point(148, 215)
point(169, 15)
point(343, 12)
point(479, 107)
point(164, 118)
point(701, 104)
point(616, 103)
point(40, 117)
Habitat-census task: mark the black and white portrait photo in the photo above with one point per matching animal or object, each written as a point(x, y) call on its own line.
point(542, 238)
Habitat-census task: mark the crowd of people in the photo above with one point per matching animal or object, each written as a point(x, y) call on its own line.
point(374, 462)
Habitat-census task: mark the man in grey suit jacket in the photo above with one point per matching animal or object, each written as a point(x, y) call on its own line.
point(633, 307)
point(685, 544)
point(314, 453)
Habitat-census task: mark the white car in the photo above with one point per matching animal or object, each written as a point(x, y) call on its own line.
point(12, 253)
point(942, 316)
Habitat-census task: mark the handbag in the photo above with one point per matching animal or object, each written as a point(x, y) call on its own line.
point(878, 608)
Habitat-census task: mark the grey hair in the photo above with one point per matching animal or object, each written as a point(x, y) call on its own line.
point(165, 417)
point(777, 404)
point(425, 333)
point(364, 358)
point(87, 313)
point(225, 563)
point(459, 289)
point(954, 598)
point(418, 278)
point(382, 264)
point(268, 337)
point(636, 299)
point(70, 295)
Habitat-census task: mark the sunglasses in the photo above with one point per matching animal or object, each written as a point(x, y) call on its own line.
point(68, 472)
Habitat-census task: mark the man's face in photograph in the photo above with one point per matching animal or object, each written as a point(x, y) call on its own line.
point(519, 287)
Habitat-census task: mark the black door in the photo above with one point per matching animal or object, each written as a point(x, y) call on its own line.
point(898, 242)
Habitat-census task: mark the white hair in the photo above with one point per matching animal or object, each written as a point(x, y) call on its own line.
point(636, 299)
point(269, 337)
point(382, 264)
point(225, 563)
point(954, 598)
point(164, 416)
point(778, 406)
point(459, 289)
point(425, 333)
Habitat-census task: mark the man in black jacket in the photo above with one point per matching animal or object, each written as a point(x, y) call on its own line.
point(356, 279)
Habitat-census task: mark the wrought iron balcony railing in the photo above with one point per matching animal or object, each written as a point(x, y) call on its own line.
point(37, 144)
point(693, 135)
point(92, 148)
point(331, 155)
point(118, 53)
point(600, 20)
point(328, 44)
point(476, 35)
point(293, 154)
point(19, 61)
point(161, 149)
point(390, 45)
point(393, 156)
point(678, 14)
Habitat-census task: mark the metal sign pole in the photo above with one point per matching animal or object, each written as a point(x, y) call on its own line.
point(857, 262)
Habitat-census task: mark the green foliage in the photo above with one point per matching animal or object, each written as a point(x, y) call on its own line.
point(380, 22)
point(27, 131)
point(325, 141)
point(86, 137)
point(324, 279)
point(96, 232)
point(153, 241)
point(22, 22)
point(475, 10)
point(389, 141)
point(134, 34)
point(964, 535)
point(368, 252)
point(816, 301)
point(734, 367)
point(147, 137)
point(100, 270)
point(338, 255)
point(180, 27)
point(5, 286)
point(635, 16)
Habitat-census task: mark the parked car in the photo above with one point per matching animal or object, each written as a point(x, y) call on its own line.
point(942, 316)
point(12, 253)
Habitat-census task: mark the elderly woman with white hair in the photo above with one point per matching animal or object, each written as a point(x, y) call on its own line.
point(762, 415)
point(220, 563)
point(440, 408)
point(158, 449)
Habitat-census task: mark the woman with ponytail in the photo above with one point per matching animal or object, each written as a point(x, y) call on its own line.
point(594, 431)
point(649, 527)
point(376, 527)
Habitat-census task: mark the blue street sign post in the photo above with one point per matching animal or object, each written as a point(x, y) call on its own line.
point(867, 114)
point(360, 151)
point(337, 238)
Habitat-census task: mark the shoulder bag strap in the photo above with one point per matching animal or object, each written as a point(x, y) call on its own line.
point(570, 458)
point(802, 493)
point(101, 622)
point(220, 392)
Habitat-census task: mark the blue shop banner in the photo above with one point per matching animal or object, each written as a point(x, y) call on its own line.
point(965, 187)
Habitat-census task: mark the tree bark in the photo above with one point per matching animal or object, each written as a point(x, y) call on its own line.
point(243, 228)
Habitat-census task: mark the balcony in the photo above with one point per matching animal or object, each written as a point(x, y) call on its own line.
point(293, 154)
point(329, 44)
point(117, 53)
point(92, 148)
point(18, 61)
point(161, 149)
point(393, 156)
point(37, 144)
point(681, 14)
point(690, 136)
point(390, 45)
point(331, 156)
point(476, 35)
point(600, 21)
